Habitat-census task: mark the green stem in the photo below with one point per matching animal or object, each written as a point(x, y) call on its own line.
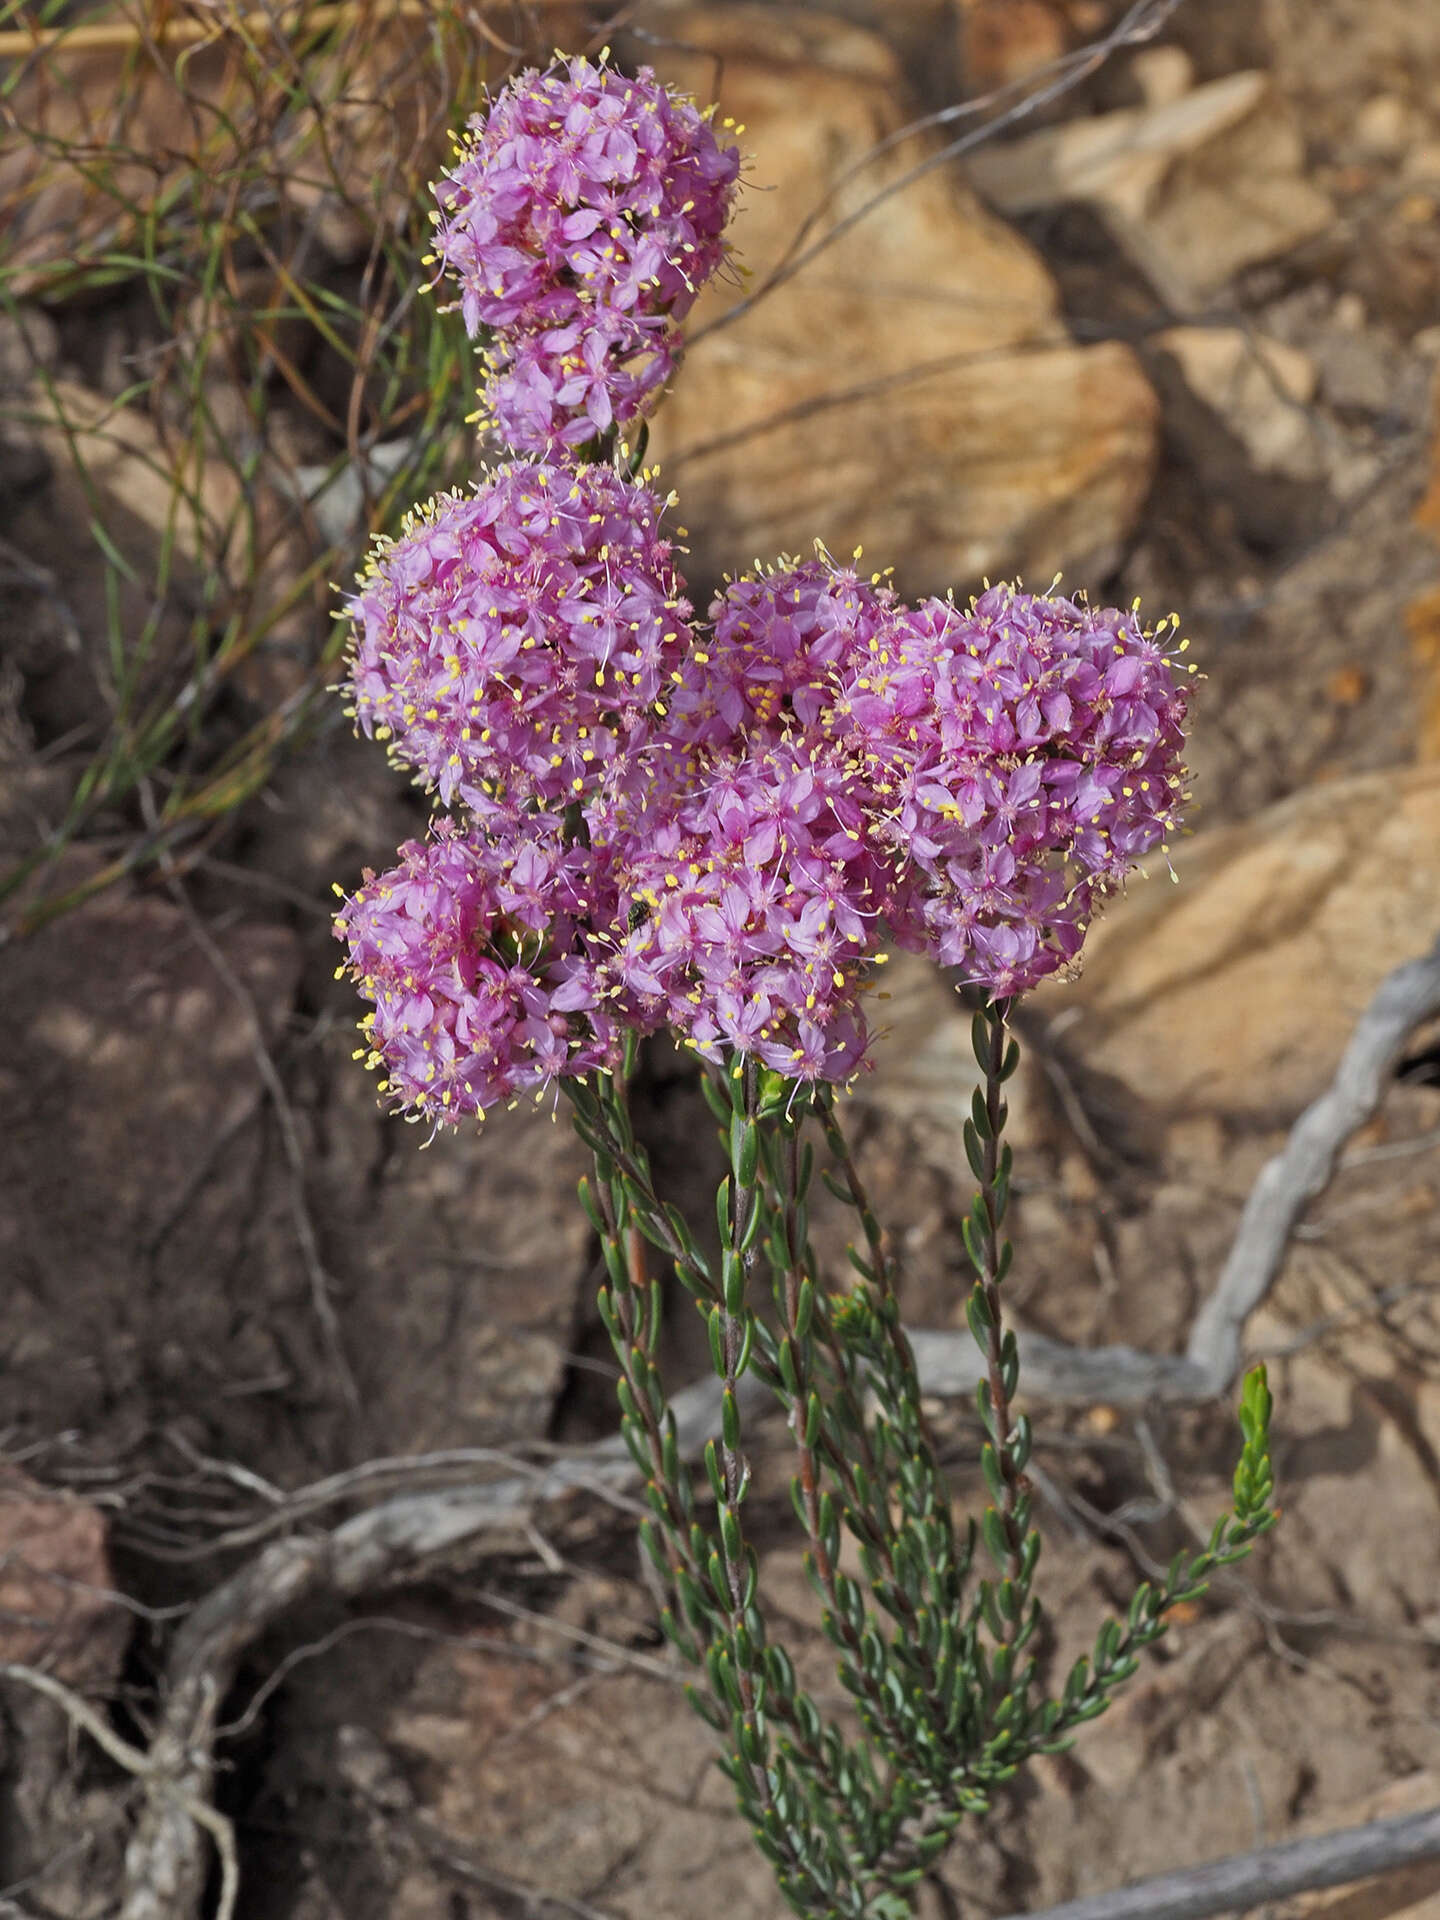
point(801, 1348)
point(1014, 1487)
point(634, 1338)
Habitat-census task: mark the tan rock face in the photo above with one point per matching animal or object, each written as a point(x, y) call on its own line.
point(134, 466)
point(924, 1063)
point(1258, 387)
point(909, 385)
point(1194, 187)
point(1237, 990)
point(1004, 40)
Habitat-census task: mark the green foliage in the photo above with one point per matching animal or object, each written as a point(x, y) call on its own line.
point(935, 1640)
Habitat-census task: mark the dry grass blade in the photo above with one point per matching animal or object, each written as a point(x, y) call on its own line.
point(217, 212)
point(121, 35)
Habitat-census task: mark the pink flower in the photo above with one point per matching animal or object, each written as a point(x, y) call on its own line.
point(511, 642)
point(473, 954)
point(583, 215)
point(718, 833)
point(749, 914)
point(778, 643)
point(1023, 756)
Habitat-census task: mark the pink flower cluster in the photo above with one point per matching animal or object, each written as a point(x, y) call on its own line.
point(711, 828)
point(514, 639)
point(717, 829)
point(750, 903)
point(468, 951)
point(581, 218)
point(1020, 758)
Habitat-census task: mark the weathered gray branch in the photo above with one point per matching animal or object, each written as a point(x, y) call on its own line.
point(1287, 1184)
point(1248, 1880)
point(195, 1813)
point(165, 1860)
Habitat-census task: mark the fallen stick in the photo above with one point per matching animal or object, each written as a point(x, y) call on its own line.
point(143, 1766)
point(165, 1860)
point(1406, 999)
point(1248, 1880)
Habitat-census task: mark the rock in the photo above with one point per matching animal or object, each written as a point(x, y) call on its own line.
point(463, 1268)
point(1163, 74)
point(57, 1588)
point(1347, 686)
point(1422, 615)
point(29, 339)
point(912, 387)
point(920, 32)
point(337, 502)
point(1358, 371)
point(368, 1768)
point(1422, 624)
point(1002, 41)
point(193, 539)
point(1385, 127)
point(1149, 1712)
point(1193, 189)
point(1423, 163)
point(555, 1786)
point(131, 1080)
point(1259, 388)
point(141, 475)
point(1117, 160)
point(1235, 992)
point(170, 1279)
point(569, 1815)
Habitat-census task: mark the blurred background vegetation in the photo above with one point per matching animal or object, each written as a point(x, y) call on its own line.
point(237, 195)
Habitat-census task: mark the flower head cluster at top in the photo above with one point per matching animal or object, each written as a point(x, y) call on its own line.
point(712, 827)
point(581, 217)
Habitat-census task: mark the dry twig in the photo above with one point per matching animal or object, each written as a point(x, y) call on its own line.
point(1246, 1880)
point(147, 1767)
point(120, 36)
point(1407, 998)
point(383, 1544)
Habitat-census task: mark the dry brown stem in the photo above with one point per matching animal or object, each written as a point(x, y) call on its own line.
point(123, 35)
